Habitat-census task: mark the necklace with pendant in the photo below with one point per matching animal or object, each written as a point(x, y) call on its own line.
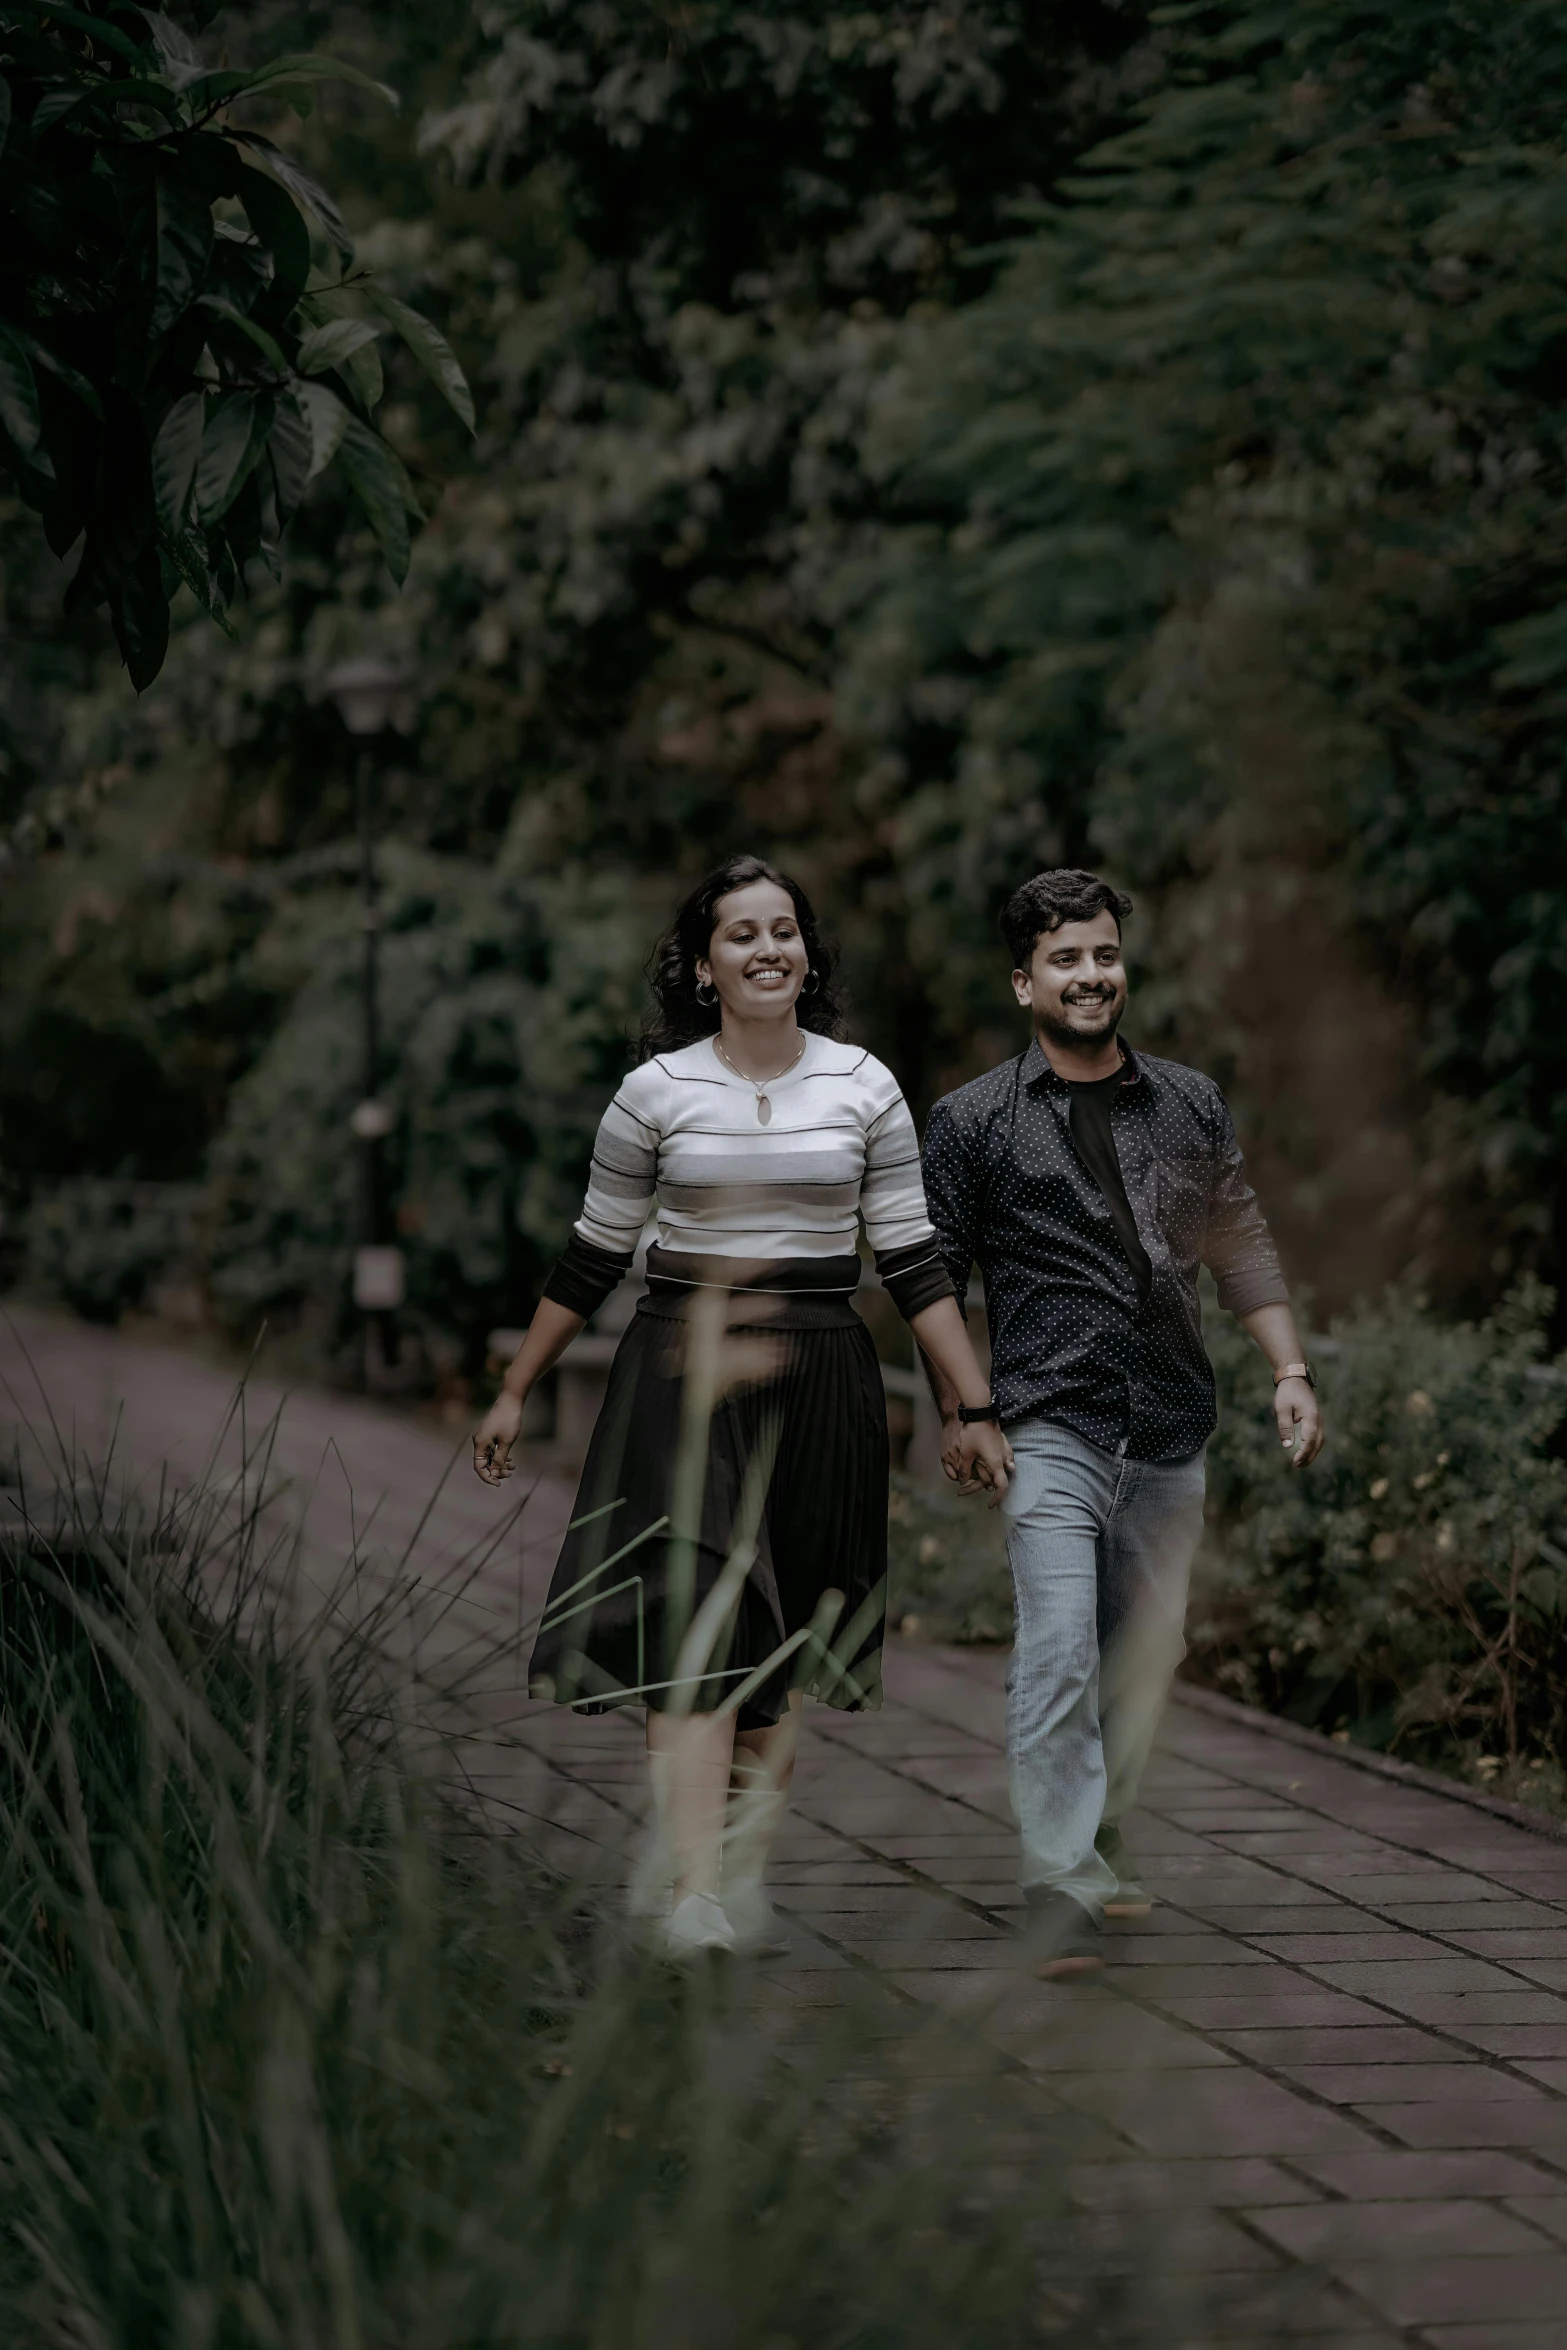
point(764, 1108)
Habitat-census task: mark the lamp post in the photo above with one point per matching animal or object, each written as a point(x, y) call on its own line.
point(364, 691)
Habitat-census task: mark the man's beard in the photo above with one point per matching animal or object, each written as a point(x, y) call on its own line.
point(1062, 1032)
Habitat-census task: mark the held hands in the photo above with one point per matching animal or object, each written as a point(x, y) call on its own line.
point(977, 1457)
point(1299, 1418)
point(495, 1435)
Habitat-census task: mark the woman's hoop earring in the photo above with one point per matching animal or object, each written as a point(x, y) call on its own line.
point(810, 983)
point(706, 994)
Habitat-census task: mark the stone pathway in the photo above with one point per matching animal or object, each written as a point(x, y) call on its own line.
point(1328, 2075)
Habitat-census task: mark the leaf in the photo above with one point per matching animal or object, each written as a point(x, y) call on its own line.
point(280, 227)
point(5, 111)
point(327, 416)
point(110, 35)
point(381, 486)
point(139, 615)
point(430, 347)
point(291, 448)
point(177, 53)
point(174, 455)
point(235, 319)
point(304, 190)
point(18, 394)
point(183, 227)
point(56, 106)
point(70, 376)
point(333, 345)
point(364, 370)
point(235, 434)
point(310, 66)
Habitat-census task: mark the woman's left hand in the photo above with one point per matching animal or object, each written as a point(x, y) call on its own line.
point(977, 1457)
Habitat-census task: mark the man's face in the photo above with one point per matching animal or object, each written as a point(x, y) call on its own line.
point(1075, 985)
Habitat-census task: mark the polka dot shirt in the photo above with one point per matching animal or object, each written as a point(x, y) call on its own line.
point(1070, 1339)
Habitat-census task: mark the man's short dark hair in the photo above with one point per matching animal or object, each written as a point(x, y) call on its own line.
point(1050, 899)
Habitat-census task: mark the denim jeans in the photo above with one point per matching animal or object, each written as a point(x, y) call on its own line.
point(1101, 1551)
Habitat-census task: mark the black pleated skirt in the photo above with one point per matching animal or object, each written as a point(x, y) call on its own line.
point(729, 1540)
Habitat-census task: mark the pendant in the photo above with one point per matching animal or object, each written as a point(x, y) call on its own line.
point(764, 1110)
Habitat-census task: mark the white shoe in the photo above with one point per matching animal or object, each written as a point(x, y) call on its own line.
point(696, 1924)
point(758, 1930)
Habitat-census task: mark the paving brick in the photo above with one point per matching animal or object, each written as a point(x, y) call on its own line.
point(1228, 2112)
point(1474, 2121)
point(1458, 2008)
point(1436, 2292)
point(1547, 2212)
point(1363, 2044)
point(1498, 2333)
point(1385, 2174)
point(1315, 1949)
point(1241, 2182)
point(1390, 1979)
point(1272, 2007)
point(1538, 2039)
point(1413, 2084)
point(1179, 1950)
point(1337, 2232)
point(1551, 1972)
point(1457, 1917)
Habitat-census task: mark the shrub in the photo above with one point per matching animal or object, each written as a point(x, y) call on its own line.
point(1411, 1587)
point(98, 1244)
point(948, 1577)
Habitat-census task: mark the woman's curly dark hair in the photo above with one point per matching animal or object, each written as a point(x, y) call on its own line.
point(677, 1018)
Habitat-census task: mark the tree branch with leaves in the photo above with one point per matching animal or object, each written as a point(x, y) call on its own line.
point(186, 343)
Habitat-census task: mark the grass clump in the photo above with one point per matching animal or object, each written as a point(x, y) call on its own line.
point(304, 2044)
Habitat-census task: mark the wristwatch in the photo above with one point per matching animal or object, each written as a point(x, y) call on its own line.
point(1295, 1371)
point(970, 1412)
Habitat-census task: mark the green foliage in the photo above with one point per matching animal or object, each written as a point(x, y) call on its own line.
point(180, 350)
point(1411, 1586)
point(1234, 560)
point(98, 1245)
point(300, 2043)
point(947, 1569)
point(508, 1015)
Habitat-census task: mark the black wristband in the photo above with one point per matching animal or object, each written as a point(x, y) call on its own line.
point(968, 1413)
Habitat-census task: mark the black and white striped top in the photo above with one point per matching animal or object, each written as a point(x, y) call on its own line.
point(682, 1136)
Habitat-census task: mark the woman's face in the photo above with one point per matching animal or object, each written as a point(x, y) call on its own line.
point(756, 957)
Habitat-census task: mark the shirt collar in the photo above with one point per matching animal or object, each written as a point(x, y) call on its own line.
point(1038, 1072)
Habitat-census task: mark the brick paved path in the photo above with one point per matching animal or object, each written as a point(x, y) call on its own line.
point(1331, 2068)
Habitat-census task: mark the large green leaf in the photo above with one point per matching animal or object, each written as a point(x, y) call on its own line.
point(303, 189)
point(235, 435)
point(18, 394)
point(308, 66)
point(430, 347)
point(71, 377)
point(327, 417)
point(334, 344)
point(78, 21)
point(381, 486)
point(174, 455)
point(363, 370)
point(291, 447)
point(183, 228)
point(279, 225)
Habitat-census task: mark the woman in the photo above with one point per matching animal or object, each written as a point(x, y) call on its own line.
point(729, 1547)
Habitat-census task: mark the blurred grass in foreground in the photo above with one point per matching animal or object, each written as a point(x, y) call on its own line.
point(301, 2044)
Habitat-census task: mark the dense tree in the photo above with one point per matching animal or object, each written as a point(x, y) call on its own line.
point(185, 343)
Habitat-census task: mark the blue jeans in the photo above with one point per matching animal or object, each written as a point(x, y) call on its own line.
point(1101, 1551)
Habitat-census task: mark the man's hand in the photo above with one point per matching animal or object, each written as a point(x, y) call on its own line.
point(977, 1457)
point(1299, 1416)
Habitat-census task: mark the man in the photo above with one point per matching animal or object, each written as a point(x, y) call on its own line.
point(1090, 1183)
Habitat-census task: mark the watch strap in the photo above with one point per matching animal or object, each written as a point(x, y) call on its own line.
point(968, 1413)
point(1295, 1371)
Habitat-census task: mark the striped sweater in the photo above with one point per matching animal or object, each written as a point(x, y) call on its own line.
point(682, 1134)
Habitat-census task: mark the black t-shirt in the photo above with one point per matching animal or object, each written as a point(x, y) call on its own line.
point(1090, 1113)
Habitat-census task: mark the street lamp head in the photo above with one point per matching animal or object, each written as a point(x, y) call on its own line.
point(364, 691)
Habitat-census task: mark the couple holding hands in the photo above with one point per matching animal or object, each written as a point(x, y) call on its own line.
point(728, 1553)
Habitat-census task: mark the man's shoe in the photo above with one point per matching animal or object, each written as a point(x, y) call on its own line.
point(1129, 1900)
point(1062, 1937)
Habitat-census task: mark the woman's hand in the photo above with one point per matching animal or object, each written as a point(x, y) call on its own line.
point(495, 1435)
point(977, 1457)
